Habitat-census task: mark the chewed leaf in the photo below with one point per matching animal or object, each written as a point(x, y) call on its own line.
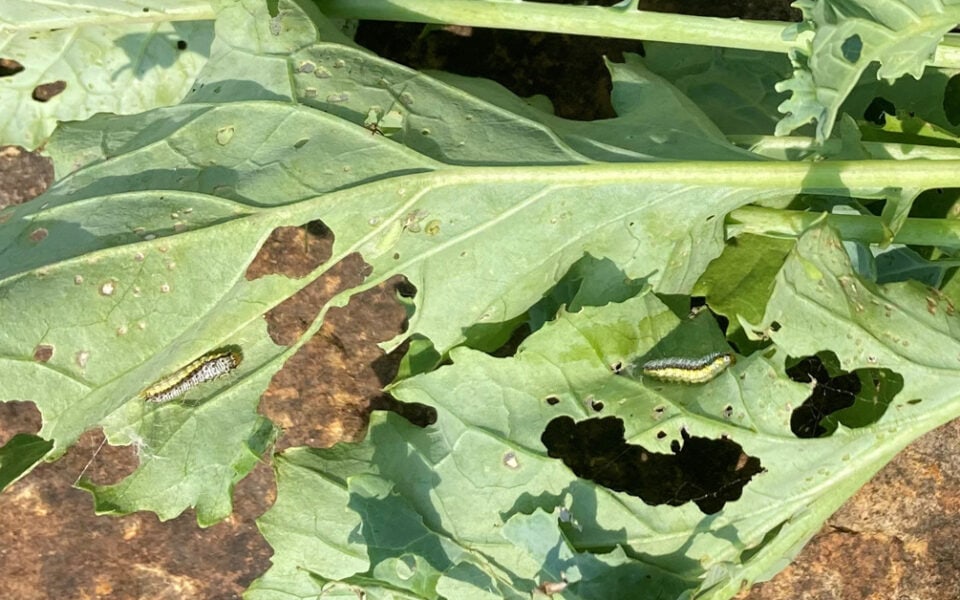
point(622, 462)
point(19, 455)
point(146, 58)
point(901, 35)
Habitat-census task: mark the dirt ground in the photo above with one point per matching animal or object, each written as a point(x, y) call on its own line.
point(894, 540)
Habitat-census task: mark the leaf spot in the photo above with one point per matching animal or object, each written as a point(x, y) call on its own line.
point(43, 353)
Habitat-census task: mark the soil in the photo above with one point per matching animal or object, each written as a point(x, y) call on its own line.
point(894, 539)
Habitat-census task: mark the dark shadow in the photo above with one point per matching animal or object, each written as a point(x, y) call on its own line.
point(707, 472)
point(416, 413)
point(876, 112)
point(589, 281)
point(9, 67)
point(148, 51)
point(849, 398)
point(47, 91)
point(951, 100)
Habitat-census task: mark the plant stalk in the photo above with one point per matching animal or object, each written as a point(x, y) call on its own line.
point(600, 21)
point(859, 228)
point(615, 22)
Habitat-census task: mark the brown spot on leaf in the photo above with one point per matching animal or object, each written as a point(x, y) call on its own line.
point(46, 91)
point(9, 67)
point(43, 353)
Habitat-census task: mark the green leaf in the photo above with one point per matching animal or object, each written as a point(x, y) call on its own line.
point(740, 281)
point(655, 120)
point(492, 412)
point(902, 264)
point(849, 35)
point(115, 56)
point(735, 88)
point(386, 482)
point(20, 455)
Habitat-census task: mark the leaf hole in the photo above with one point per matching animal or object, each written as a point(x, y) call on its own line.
point(43, 353)
point(850, 398)
point(18, 416)
point(325, 392)
point(95, 461)
point(707, 472)
point(877, 111)
point(405, 289)
point(46, 91)
point(851, 48)
point(9, 67)
point(951, 100)
point(293, 251)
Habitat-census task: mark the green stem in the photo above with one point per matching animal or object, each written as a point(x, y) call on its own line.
point(860, 228)
point(600, 21)
point(863, 178)
point(577, 20)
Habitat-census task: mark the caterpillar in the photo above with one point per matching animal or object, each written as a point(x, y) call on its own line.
point(210, 366)
point(688, 370)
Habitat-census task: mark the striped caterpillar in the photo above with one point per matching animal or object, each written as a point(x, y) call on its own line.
point(688, 370)
point(210, 366)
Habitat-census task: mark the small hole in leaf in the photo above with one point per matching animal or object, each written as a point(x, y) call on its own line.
point(596, 405)
point(877, 110)
point(46, 91)
point(405, 289)
point(552, 400)
point(9, 67)
point(43, 353)
point(181, 45)
point(661, 435)
point(851, 48)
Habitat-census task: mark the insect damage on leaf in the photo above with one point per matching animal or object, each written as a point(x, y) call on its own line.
point(707, 472)
point(852, 398)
